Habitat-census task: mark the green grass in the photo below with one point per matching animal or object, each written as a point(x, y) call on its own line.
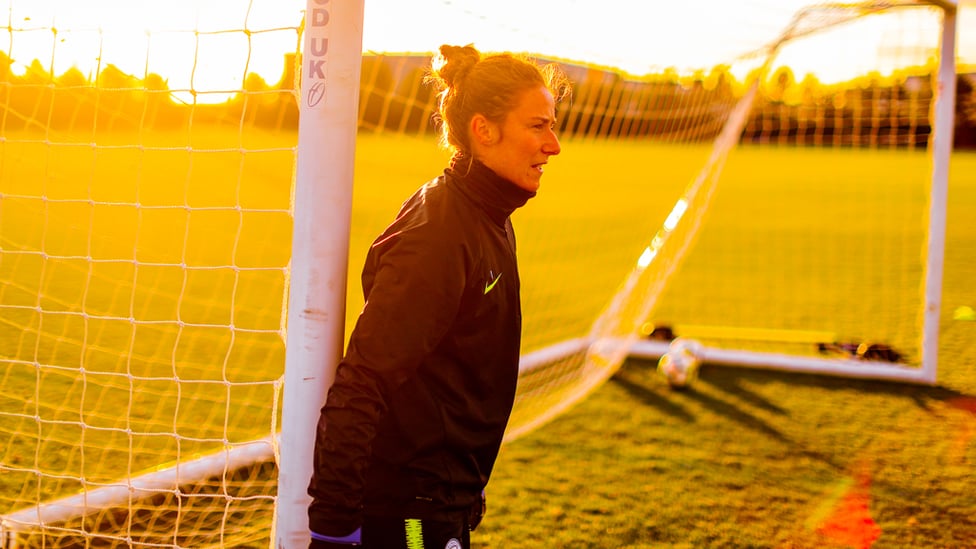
point(161, 272)
point(742, 459)
point(762, 459)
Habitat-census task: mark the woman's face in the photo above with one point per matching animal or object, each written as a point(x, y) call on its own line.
point(520, 146)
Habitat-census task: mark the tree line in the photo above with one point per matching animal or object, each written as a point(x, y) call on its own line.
point(869, 111)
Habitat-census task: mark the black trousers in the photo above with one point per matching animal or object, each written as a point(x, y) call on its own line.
point(396, 533)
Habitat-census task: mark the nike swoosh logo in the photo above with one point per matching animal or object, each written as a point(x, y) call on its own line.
point(490, 285)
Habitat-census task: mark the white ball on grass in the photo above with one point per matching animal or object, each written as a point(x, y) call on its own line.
point(680, 364)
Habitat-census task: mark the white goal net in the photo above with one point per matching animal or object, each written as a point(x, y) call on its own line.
point(762, 199)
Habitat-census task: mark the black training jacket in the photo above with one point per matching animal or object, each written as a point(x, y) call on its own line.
point(413, 423)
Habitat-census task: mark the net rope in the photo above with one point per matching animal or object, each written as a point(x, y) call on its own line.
point(144, 241)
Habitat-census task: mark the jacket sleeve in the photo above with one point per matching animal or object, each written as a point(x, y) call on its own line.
point(414, 281)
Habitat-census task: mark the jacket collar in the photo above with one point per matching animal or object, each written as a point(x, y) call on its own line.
point(498, 196)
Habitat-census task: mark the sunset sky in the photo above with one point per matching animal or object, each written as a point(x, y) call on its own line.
point(143, 37)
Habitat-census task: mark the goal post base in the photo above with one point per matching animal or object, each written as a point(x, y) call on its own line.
point(650, 349)
point(861, 369)
point(165, 479)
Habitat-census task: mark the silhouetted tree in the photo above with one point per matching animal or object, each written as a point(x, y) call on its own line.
point(5, 62)
point(780, 82)
point(811, 111)
point(160, 110)
point(870, 110)
point(30, 98)
point(72, 100)
point(117, 104)
point(718, 83)
point(287, 115)
point(255, 106)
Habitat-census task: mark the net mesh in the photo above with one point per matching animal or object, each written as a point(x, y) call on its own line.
point(145, 226)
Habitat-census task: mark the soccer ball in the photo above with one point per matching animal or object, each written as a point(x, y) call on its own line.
point(680, 364)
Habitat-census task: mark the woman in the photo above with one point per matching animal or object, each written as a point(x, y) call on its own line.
point(413, 422)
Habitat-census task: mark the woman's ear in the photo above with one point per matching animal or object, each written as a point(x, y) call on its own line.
point(483, 130)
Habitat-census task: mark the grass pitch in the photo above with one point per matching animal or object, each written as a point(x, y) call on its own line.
point(163, 273)
point(747, 458)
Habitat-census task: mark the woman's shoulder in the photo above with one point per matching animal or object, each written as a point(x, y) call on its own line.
point(439, 200)
point(434, 211)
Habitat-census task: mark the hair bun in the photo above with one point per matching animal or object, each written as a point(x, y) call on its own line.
point(454, 62)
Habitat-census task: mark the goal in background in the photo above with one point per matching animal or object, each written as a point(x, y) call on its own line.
point(145, 230)
point(810, 234)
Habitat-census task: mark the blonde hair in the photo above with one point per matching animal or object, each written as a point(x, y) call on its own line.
point(469, 84)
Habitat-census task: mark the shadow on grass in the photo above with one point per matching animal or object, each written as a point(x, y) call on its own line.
point(732, 379)
point(647, 395)
point(638, 377)
point(812, 435)
point(735, 380)
point(642, 387)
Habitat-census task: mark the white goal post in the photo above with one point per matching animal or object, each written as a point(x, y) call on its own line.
point(328, 102)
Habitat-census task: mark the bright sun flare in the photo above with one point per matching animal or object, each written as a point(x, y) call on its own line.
point(201, 48)
point(204, 49)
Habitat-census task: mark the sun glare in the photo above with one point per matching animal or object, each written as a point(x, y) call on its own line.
point(205, 49)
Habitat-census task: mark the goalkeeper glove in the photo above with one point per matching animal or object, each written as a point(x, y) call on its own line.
point(477, 512)
point(320, 541)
